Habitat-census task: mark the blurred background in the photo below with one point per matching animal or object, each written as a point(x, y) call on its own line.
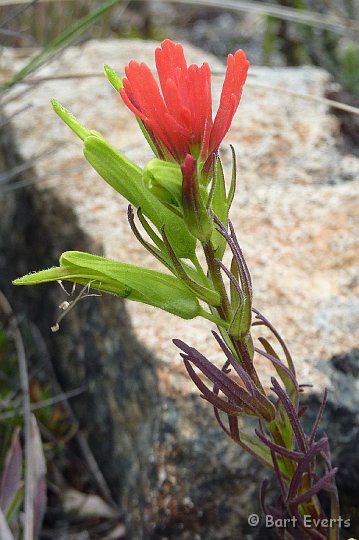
point(284, 33)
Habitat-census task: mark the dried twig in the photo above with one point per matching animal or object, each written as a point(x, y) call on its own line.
point(308, 97)
point(46, 402)
point(12, 173)
point(220, 72)
point(8, 119)
point(18, 12)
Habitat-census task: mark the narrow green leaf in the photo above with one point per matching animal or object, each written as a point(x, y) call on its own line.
point(147, 137)
point(241, 321)
point(69, 119)
point(118, 171)
point(256, 448)
point(112, 77)
point(125, 280)
point(219, 207)
point(236, 296)
point(195, 212)
point(232, 187)
point(13, 510)
point(126, 178)
point(285, 426)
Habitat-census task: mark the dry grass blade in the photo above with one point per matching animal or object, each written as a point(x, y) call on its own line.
point(318, 99)
point(47, 402)
point(61, 42)
point(15, 171)
point(5, 533)
point(38, 471)
point(311, 18)
point(13, 16)
point(21, 2)
point(24, 381)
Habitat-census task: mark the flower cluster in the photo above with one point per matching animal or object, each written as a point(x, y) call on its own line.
point(178, 115)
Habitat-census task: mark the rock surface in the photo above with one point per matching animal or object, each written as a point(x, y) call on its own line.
point(296, 216)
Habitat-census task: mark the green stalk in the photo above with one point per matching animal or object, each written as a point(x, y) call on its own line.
point(224, 310)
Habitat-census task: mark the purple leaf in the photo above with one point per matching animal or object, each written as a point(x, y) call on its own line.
point(292, 414)
point(319, 417)
point(251, 387)
point(323, 483)
point(11, 475)
point(232, 390)
point(303, 466)
point(284, 452)
point(210, 396)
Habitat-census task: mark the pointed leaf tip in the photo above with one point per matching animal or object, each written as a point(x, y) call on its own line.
point(112, 77)
point(69, 119)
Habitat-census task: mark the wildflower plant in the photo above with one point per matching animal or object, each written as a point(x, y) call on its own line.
point(182, 204)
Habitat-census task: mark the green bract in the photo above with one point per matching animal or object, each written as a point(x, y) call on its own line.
point(126, 178)
point(112, 77)
point(220, 202)
point(164, 180)
point(125, 280)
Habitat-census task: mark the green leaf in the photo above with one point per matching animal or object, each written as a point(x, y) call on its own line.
point(241, 321)
point(148, 137)
point(13, 510)
point(195, 211)
point(164, 180)
point(232, 187)
point(125, 280)
point(70, 120)
point(256, 448)
point(219, 207)
point(126, 178)
point(112, 77)
point(283, 421)
point(118, 171)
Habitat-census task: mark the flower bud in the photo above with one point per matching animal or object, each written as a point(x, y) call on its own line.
point(164, 180)
point(194, 210)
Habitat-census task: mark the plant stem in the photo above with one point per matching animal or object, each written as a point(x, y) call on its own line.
point(224, 310)
point(213, 318)
point(225, 313)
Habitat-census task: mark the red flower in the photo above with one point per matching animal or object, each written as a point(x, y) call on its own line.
point(179, 117)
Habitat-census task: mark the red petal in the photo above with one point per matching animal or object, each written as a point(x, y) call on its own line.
point(236, 74)
point(177, 108)
point(170, 57)
point(144, 88)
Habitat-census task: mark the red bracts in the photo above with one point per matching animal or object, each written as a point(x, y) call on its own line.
point(178, 114)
